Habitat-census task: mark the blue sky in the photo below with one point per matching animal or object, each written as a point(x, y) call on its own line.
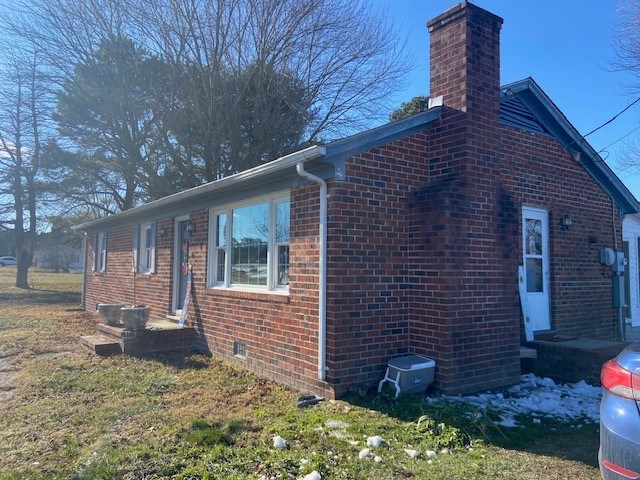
point(562, 44)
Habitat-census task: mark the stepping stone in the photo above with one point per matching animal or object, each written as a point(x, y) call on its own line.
point(101, 345)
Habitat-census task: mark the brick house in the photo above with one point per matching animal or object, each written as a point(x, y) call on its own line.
point(316, 268)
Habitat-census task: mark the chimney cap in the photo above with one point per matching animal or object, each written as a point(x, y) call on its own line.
point(462, 9)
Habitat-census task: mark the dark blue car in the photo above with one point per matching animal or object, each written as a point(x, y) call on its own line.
point(619, 453)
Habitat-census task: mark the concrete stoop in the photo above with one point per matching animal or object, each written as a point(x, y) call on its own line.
point(158, 336)
point(570, 359)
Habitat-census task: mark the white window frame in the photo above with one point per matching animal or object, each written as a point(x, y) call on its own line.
point(145, 259)
point(276, 244)
point(101, 262)
point(272, 260)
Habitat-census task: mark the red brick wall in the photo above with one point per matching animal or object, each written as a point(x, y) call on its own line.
point(116, 283)
point(367, 302)
point(280, 332)
point(464, 310)
point(539, 172)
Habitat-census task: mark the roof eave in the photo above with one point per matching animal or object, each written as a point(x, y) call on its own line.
point(310, 153)
point(333, 153)
point(555, 121)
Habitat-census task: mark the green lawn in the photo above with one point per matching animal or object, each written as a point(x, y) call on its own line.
point(65, 413)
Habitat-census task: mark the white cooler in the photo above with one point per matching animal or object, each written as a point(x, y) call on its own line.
point(411, 374)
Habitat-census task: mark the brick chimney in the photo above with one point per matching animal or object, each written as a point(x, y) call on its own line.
point(465, 59)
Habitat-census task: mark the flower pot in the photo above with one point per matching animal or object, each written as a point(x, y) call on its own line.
point(135, 318)
point(110, 313)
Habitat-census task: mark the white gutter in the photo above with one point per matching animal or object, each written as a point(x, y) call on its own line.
point(281, 163)
point(322, 260)
point(84, 271)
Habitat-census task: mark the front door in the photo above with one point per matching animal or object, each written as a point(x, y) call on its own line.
point(181, 264)
point(535, 239)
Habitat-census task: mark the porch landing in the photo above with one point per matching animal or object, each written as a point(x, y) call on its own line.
point(158, 336)
point(571, 359)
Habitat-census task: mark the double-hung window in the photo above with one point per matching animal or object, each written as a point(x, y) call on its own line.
point(249, 245)
point(144, 248)
point(100, 252)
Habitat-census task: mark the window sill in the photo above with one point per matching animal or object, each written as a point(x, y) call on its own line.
point(277, 296)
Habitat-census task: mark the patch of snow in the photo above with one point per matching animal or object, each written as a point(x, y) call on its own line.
point(337, 424)
point(312, 476)
point(536, 421)
point(507, 422)
point(364, 453)
point(411, 453)
point(377, 459)
point(337, 428)
point(374, 441)
point(540, 397)
point(279, 442)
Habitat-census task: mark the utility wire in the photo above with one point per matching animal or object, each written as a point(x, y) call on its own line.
point(607, 122)
point(621, 138)
point(613, 118)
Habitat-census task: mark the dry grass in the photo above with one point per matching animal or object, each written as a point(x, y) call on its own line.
point(75, 415)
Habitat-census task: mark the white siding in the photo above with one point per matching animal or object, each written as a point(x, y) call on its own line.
point(631, 233)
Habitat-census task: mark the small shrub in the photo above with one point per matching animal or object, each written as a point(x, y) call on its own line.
point(442, 435)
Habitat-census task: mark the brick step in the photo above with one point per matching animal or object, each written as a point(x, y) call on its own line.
point(100, 344)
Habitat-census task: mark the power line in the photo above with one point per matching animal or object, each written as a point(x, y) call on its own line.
point(621, 138)
point(607, 122)
point(613, 118)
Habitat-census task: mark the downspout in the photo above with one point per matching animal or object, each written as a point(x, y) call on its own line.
point(621, 323)
point(322, 288)
point(84, 271)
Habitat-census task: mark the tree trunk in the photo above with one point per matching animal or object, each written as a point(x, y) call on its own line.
point(22, 272)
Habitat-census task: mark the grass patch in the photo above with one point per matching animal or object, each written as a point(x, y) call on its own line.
point(75, 415)
point(204, 433)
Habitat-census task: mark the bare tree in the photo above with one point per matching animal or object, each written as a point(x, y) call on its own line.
point(345, 55)
point(626, 57)
point(626, 42)
point(246, 80)
point(24, 100)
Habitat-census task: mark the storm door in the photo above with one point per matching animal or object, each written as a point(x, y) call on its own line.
point(535, 238)
point(181, 262)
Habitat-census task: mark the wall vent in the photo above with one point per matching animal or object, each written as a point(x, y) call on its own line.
point(239, 349)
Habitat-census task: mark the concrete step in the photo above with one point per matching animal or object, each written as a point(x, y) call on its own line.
point(111, 333)
point(101, 344)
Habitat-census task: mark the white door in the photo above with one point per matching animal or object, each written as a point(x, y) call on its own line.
point(535, 239)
